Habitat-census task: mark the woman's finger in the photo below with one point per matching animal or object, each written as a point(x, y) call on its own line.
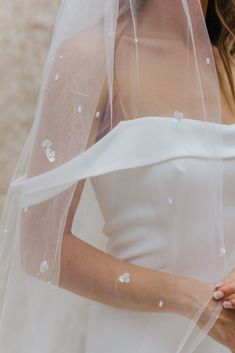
point(230, 277)
point(224, 291)
point(227, 304)
point(226, 281)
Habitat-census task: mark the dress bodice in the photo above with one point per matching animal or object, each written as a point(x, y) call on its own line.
point(170, 157)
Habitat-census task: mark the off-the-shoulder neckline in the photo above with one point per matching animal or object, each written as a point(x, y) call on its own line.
point(173, 119)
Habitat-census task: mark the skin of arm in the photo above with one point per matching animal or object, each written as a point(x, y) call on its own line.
point(94, 274)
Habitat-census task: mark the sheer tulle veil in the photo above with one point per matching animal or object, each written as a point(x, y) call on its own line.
point(97, 81)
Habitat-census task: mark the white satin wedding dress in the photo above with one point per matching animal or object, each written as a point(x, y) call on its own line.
point(139, 230)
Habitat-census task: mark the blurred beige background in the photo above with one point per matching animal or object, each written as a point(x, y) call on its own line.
point(25, 33)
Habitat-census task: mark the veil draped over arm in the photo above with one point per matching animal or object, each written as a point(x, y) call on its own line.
point(114, 91)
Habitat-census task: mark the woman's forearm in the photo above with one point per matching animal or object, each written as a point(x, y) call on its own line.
point(95, 274)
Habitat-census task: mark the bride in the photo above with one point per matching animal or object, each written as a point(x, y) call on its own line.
point(117, 232)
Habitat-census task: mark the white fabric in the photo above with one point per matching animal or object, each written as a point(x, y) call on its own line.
point(122, 148)
point(138, 227)
point(111, 60)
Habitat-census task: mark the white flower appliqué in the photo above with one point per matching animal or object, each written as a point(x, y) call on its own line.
point(79, 109)
point(50, 154)
point(178, 116)
point(124, 278)
point(44, 267)
point(57, 76)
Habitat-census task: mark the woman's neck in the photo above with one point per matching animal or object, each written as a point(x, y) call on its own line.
point(154, 6)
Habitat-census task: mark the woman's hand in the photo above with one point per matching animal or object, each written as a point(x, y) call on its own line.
point(223, 330)
point(226, 291)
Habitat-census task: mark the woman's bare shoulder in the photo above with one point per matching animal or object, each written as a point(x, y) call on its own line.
point(85, 42)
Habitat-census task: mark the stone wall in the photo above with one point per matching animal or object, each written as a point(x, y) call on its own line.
point(25, 33)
